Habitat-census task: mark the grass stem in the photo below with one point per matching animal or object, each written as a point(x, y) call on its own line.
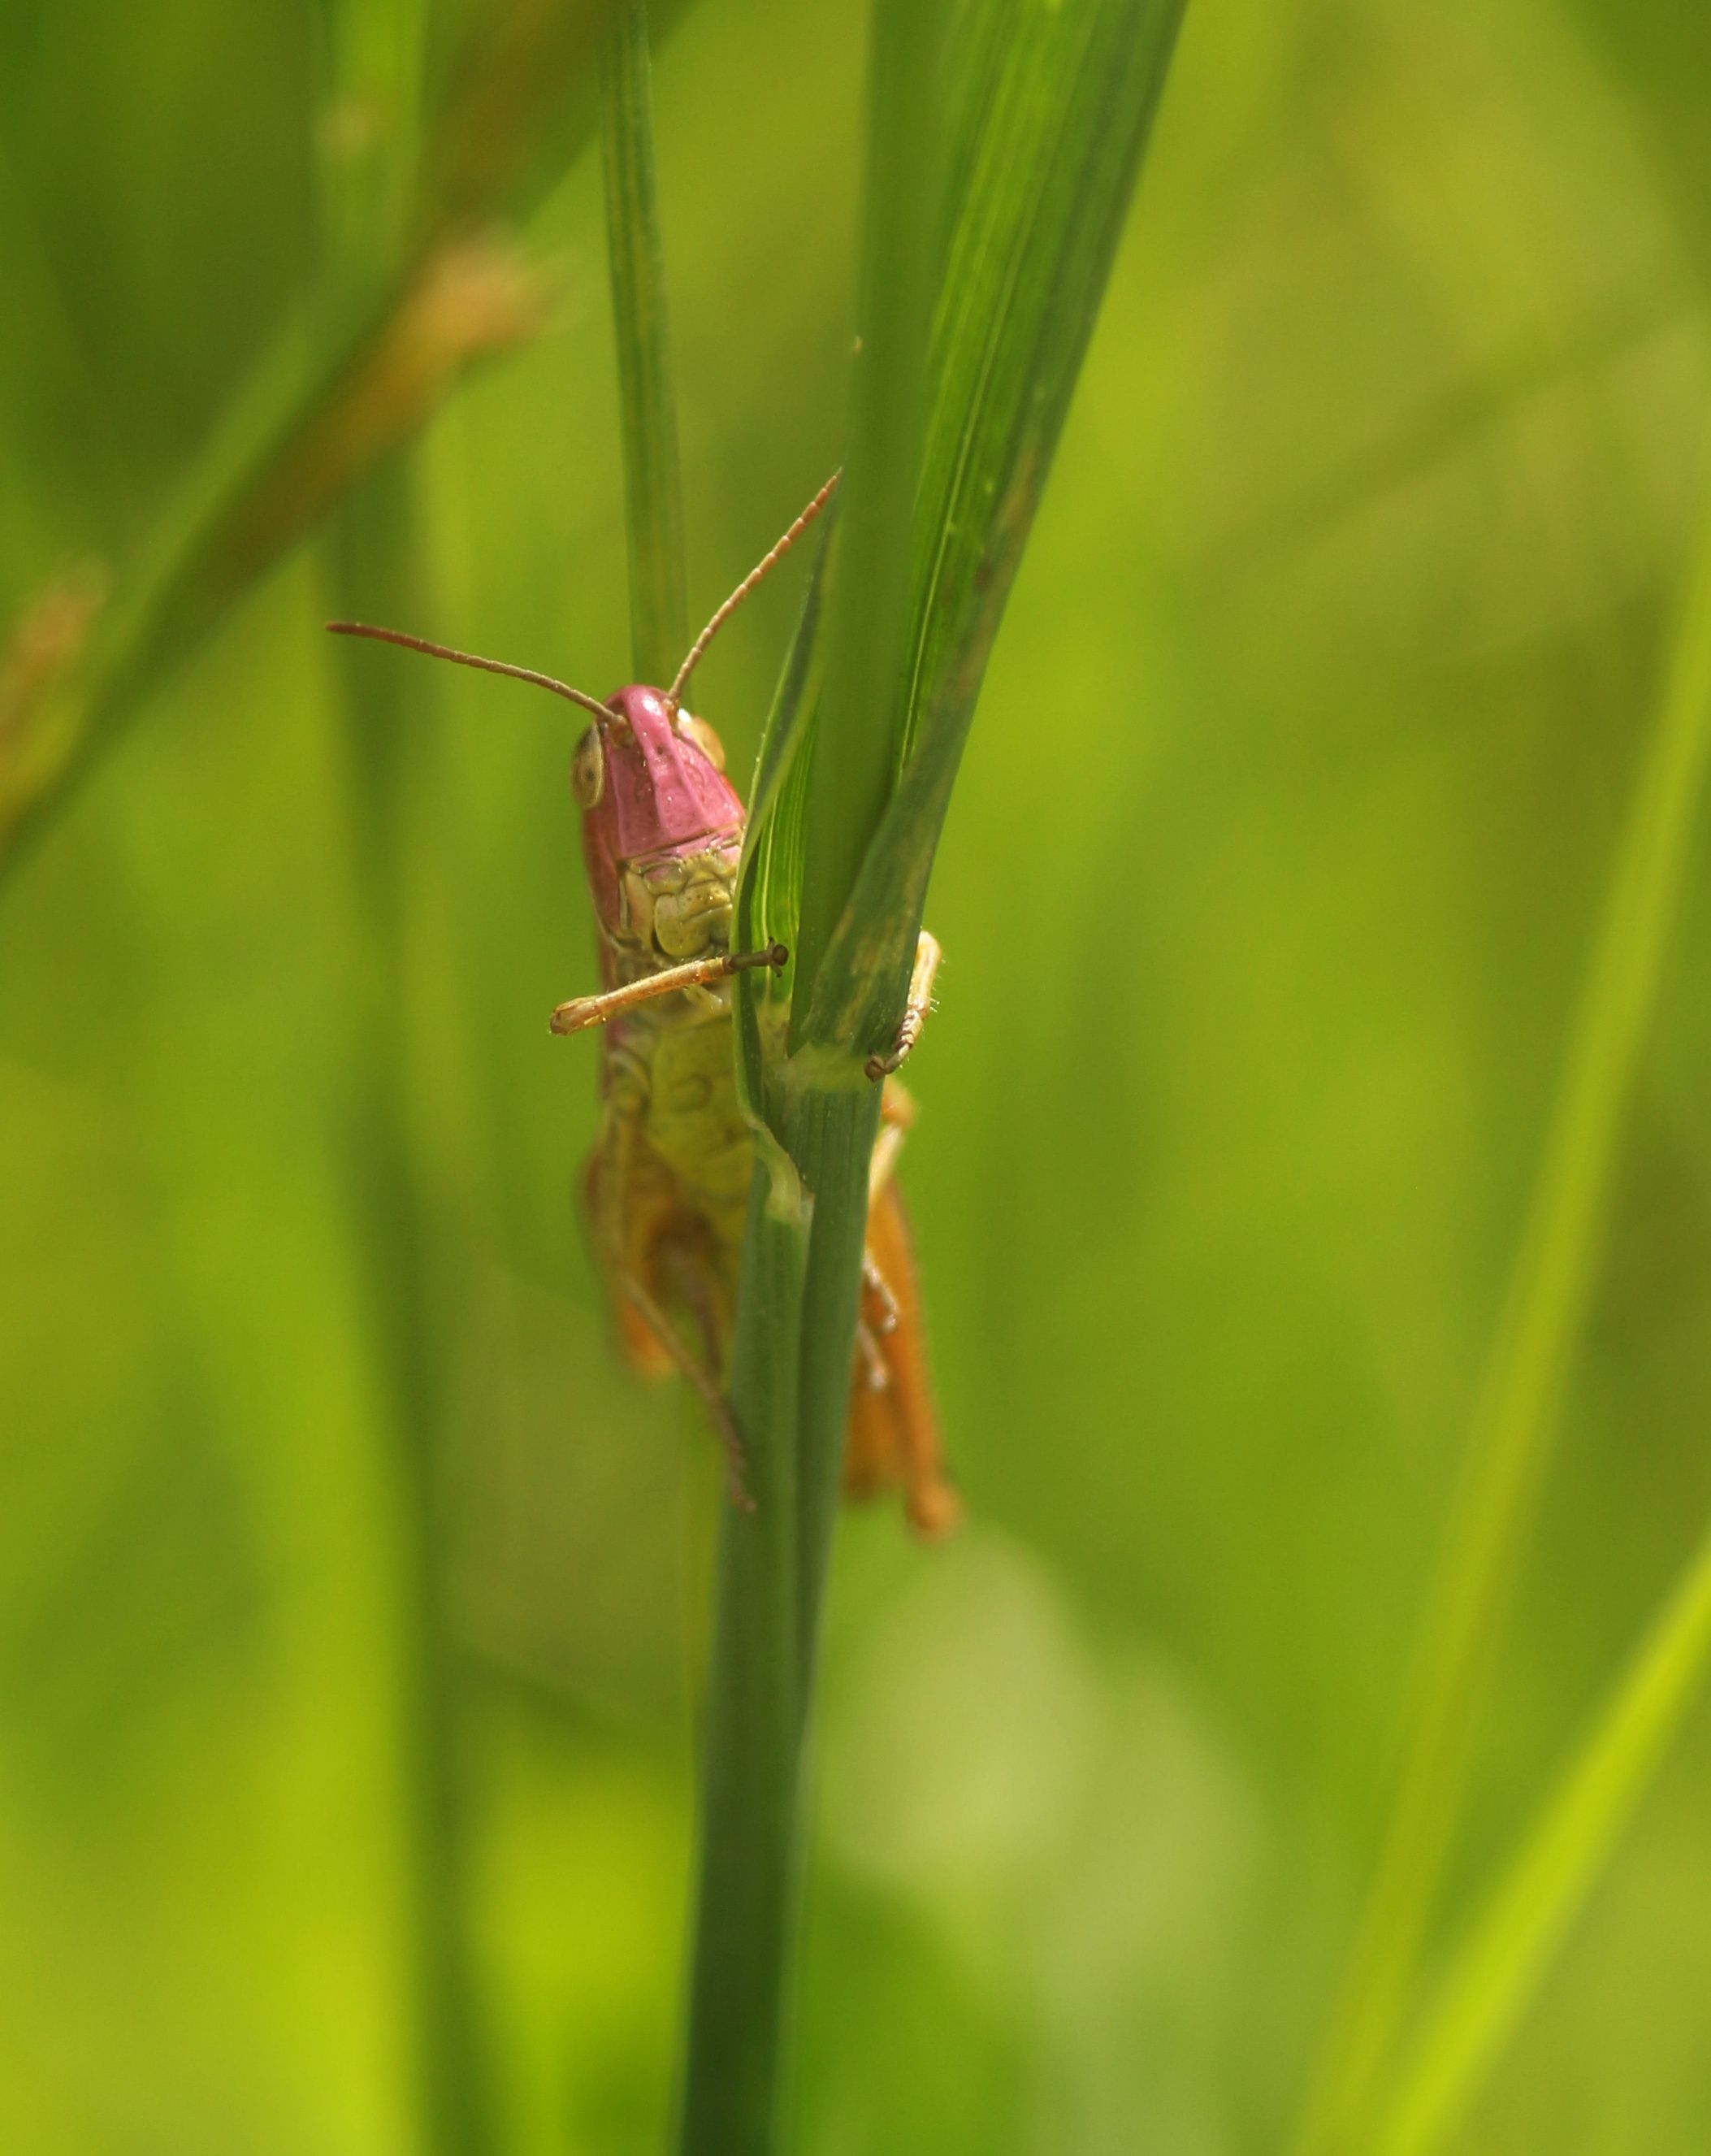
point(737, 1992)
point(734, 2052)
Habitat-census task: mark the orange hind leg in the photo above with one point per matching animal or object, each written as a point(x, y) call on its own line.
point(894, 1428)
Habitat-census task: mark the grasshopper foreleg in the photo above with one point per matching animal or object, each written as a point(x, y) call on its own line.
point(914, 1014)
point(700, 972)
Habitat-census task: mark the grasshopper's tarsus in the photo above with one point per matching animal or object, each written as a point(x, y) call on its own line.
point(915, 1015)
point(584, 1011)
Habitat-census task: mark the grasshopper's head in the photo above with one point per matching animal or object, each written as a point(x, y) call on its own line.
point(662, 826)
point(649, 779)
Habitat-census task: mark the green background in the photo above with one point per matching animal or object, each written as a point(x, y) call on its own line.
point(1265, 896)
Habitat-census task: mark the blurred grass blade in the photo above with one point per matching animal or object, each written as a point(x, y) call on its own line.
point(521, 101)
point(1495, 1974)
point(323, 407)
point(377, 570)
point(373, 553)
point(265, 484)
point(1512, 1428)
point(653, 502)
point(368, 136)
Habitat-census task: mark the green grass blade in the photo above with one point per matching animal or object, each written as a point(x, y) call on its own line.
point(974, 311)
point(1056, 106)
point(1513, 1424)
point(830, 1108)
point(1051, 109)
point(769, 880)
point(654, 499)
point(1494, 1976)
point(859, 740)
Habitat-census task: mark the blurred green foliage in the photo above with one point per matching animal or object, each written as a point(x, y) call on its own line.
point(1266, 897)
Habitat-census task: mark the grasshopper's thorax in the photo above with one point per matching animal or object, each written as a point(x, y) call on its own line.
point(672, 906)
point(662, 836)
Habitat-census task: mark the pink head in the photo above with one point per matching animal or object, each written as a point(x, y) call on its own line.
point(649, 779)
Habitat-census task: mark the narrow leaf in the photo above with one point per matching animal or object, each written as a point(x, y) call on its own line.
point(1516, 1416)
point(1058, 104)
point(1499, 1968)
point(868, 623)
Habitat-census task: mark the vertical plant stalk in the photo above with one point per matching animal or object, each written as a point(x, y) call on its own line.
point(976, 302)
point(750, 1832)
point(659, 623)
point(374, 561)
point(373, 553)
point(1499, 1968)
point(1513, 1422)
point(796, 1327)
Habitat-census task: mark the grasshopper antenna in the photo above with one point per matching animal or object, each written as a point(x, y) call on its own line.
point(673, 695)
point(470, 658)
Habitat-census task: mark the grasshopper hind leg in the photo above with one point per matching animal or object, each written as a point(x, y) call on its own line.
point(647, 1265)
point(684, 1358)
point(893, 1429)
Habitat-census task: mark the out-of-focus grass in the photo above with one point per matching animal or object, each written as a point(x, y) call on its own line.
point(1491, 1981)
point(1265, 896)
point(1535, 1347)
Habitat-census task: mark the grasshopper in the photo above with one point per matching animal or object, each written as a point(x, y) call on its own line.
point(666, 1186)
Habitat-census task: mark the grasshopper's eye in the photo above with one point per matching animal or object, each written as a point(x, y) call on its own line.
point(588, 770)
point(703, 737)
